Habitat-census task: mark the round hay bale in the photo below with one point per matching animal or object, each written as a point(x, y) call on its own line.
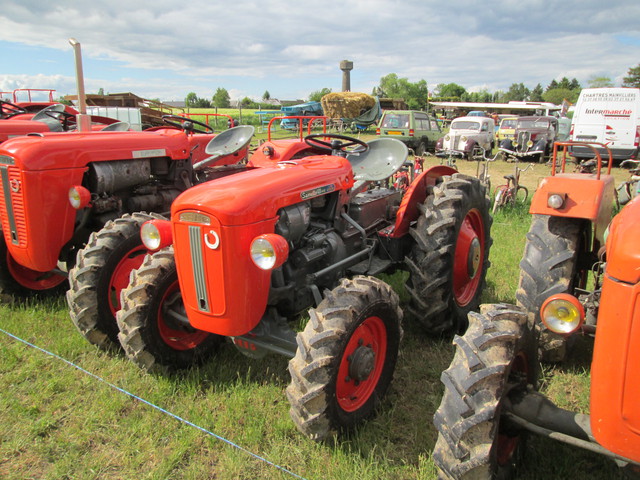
point(346, 104)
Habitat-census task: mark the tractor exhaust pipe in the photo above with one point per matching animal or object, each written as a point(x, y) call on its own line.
point(83, 120)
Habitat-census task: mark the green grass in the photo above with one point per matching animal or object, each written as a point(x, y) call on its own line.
point(60, 423)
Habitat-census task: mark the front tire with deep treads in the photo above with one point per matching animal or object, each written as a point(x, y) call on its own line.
point(450, 258)
point(346, 357)
point(101, 272)
point(495, 357)
point(550, 265)
point(154, 329)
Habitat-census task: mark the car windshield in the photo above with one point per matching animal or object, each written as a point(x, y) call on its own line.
point(533, 123)
point(465, 125)
point(394, 120)
point(508, 123)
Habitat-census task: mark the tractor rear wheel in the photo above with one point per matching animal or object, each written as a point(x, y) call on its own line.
point(154, 329)
point(22, 282)
point(495, 357)
point(346, 357)
point(550, 265)
point(450, 258)
point(101, 272)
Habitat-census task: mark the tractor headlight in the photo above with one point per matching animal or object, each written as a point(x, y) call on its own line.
point(79, 197)
point(562, 313)
point(269, 251)
point(156, 234)
point(555, 200)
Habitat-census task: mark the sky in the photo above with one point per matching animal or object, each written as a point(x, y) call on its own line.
point(166, 48)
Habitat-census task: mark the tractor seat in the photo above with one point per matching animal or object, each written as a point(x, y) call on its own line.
point(45, 116)
point(227, 143)
point(384, 158)
point(116, 127)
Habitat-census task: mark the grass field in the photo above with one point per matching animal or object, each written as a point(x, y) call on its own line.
point(62, 418)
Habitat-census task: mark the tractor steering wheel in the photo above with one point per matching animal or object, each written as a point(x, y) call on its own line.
point(68, 119)
point(337, 146)
point(8, 109)
point(186, 124)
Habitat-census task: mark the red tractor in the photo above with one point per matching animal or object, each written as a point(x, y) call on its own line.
point(570, 213)
point(244, 256)
point(58, 188)
point(490, 402)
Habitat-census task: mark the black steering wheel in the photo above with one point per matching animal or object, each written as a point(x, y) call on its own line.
point(9, 109)
point(339, 145)
point(186, 124)
point(67, 119)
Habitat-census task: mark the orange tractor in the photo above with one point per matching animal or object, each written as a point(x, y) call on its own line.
point(490, 402)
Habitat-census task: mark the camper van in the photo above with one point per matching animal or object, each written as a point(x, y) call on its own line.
point(609, 116)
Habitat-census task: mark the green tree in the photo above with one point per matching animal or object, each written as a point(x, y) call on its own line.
point(449, 91)
point(266, 95)
point(246, 102)
point(557, 95)
point(552, 85)
point(414, 94)
point(633, 77)
point(221, 98)
point(191, 99)
point(518, 92)
point(599, 82)
point(318, 94)
point(536, 94)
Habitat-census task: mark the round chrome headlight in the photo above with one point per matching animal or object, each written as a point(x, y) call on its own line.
point(562, 313)
point(529, 143)
point(269, 251)
point(447, 138)
point(79, 197)
point(156, 234)
point(555, 201)
point(463, 138)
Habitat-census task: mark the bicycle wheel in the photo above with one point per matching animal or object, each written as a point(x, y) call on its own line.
point(521, 195)
point(500, 198)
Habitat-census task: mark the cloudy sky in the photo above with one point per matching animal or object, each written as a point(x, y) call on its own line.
point(167, 48)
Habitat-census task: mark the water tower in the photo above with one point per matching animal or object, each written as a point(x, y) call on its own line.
point(346, 66)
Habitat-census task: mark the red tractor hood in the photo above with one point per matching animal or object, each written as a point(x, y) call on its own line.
point(77, 149)
point(258, 194)
point(623, 252)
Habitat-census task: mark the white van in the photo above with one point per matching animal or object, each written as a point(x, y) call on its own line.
point(609, 116)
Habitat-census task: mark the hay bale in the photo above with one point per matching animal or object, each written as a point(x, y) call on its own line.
point(346, 104)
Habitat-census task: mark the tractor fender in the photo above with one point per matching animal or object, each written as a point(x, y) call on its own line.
point(585, 196)
point(415, 195)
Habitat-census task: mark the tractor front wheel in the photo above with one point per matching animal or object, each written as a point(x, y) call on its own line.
point(449, 260)
point(101, 272)
point(154, 329)
point(22, 282)
point(494, 358)
point(550, 265)
point(346, 357)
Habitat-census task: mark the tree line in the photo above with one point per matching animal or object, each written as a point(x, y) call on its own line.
point(416, 94)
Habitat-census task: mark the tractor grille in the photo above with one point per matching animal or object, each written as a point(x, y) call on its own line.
point(523, 138)
point(12, 205)
point(197, 261)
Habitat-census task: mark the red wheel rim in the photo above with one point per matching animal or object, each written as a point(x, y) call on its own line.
point(365, 353)
point(174, 338)
point(32, 279)
point(469, 258)
point(120, 277)
point(506, 445)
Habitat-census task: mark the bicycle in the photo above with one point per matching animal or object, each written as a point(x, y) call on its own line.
point(512, 192)
point(483, 174)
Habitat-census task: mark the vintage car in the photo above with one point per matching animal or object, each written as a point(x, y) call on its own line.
point(507, 128)
point(533, 138)
point(467, 138)
point(416, 129)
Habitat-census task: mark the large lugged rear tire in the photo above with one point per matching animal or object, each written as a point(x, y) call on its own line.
point(149, 333)
point(495, 356)
point(22, 282)
point(450, 258)
point(101, 272)
point(550, 265)
point(346, 357)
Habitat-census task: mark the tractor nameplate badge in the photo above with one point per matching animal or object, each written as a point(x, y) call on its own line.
point(158, 152)
point(316, 192)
